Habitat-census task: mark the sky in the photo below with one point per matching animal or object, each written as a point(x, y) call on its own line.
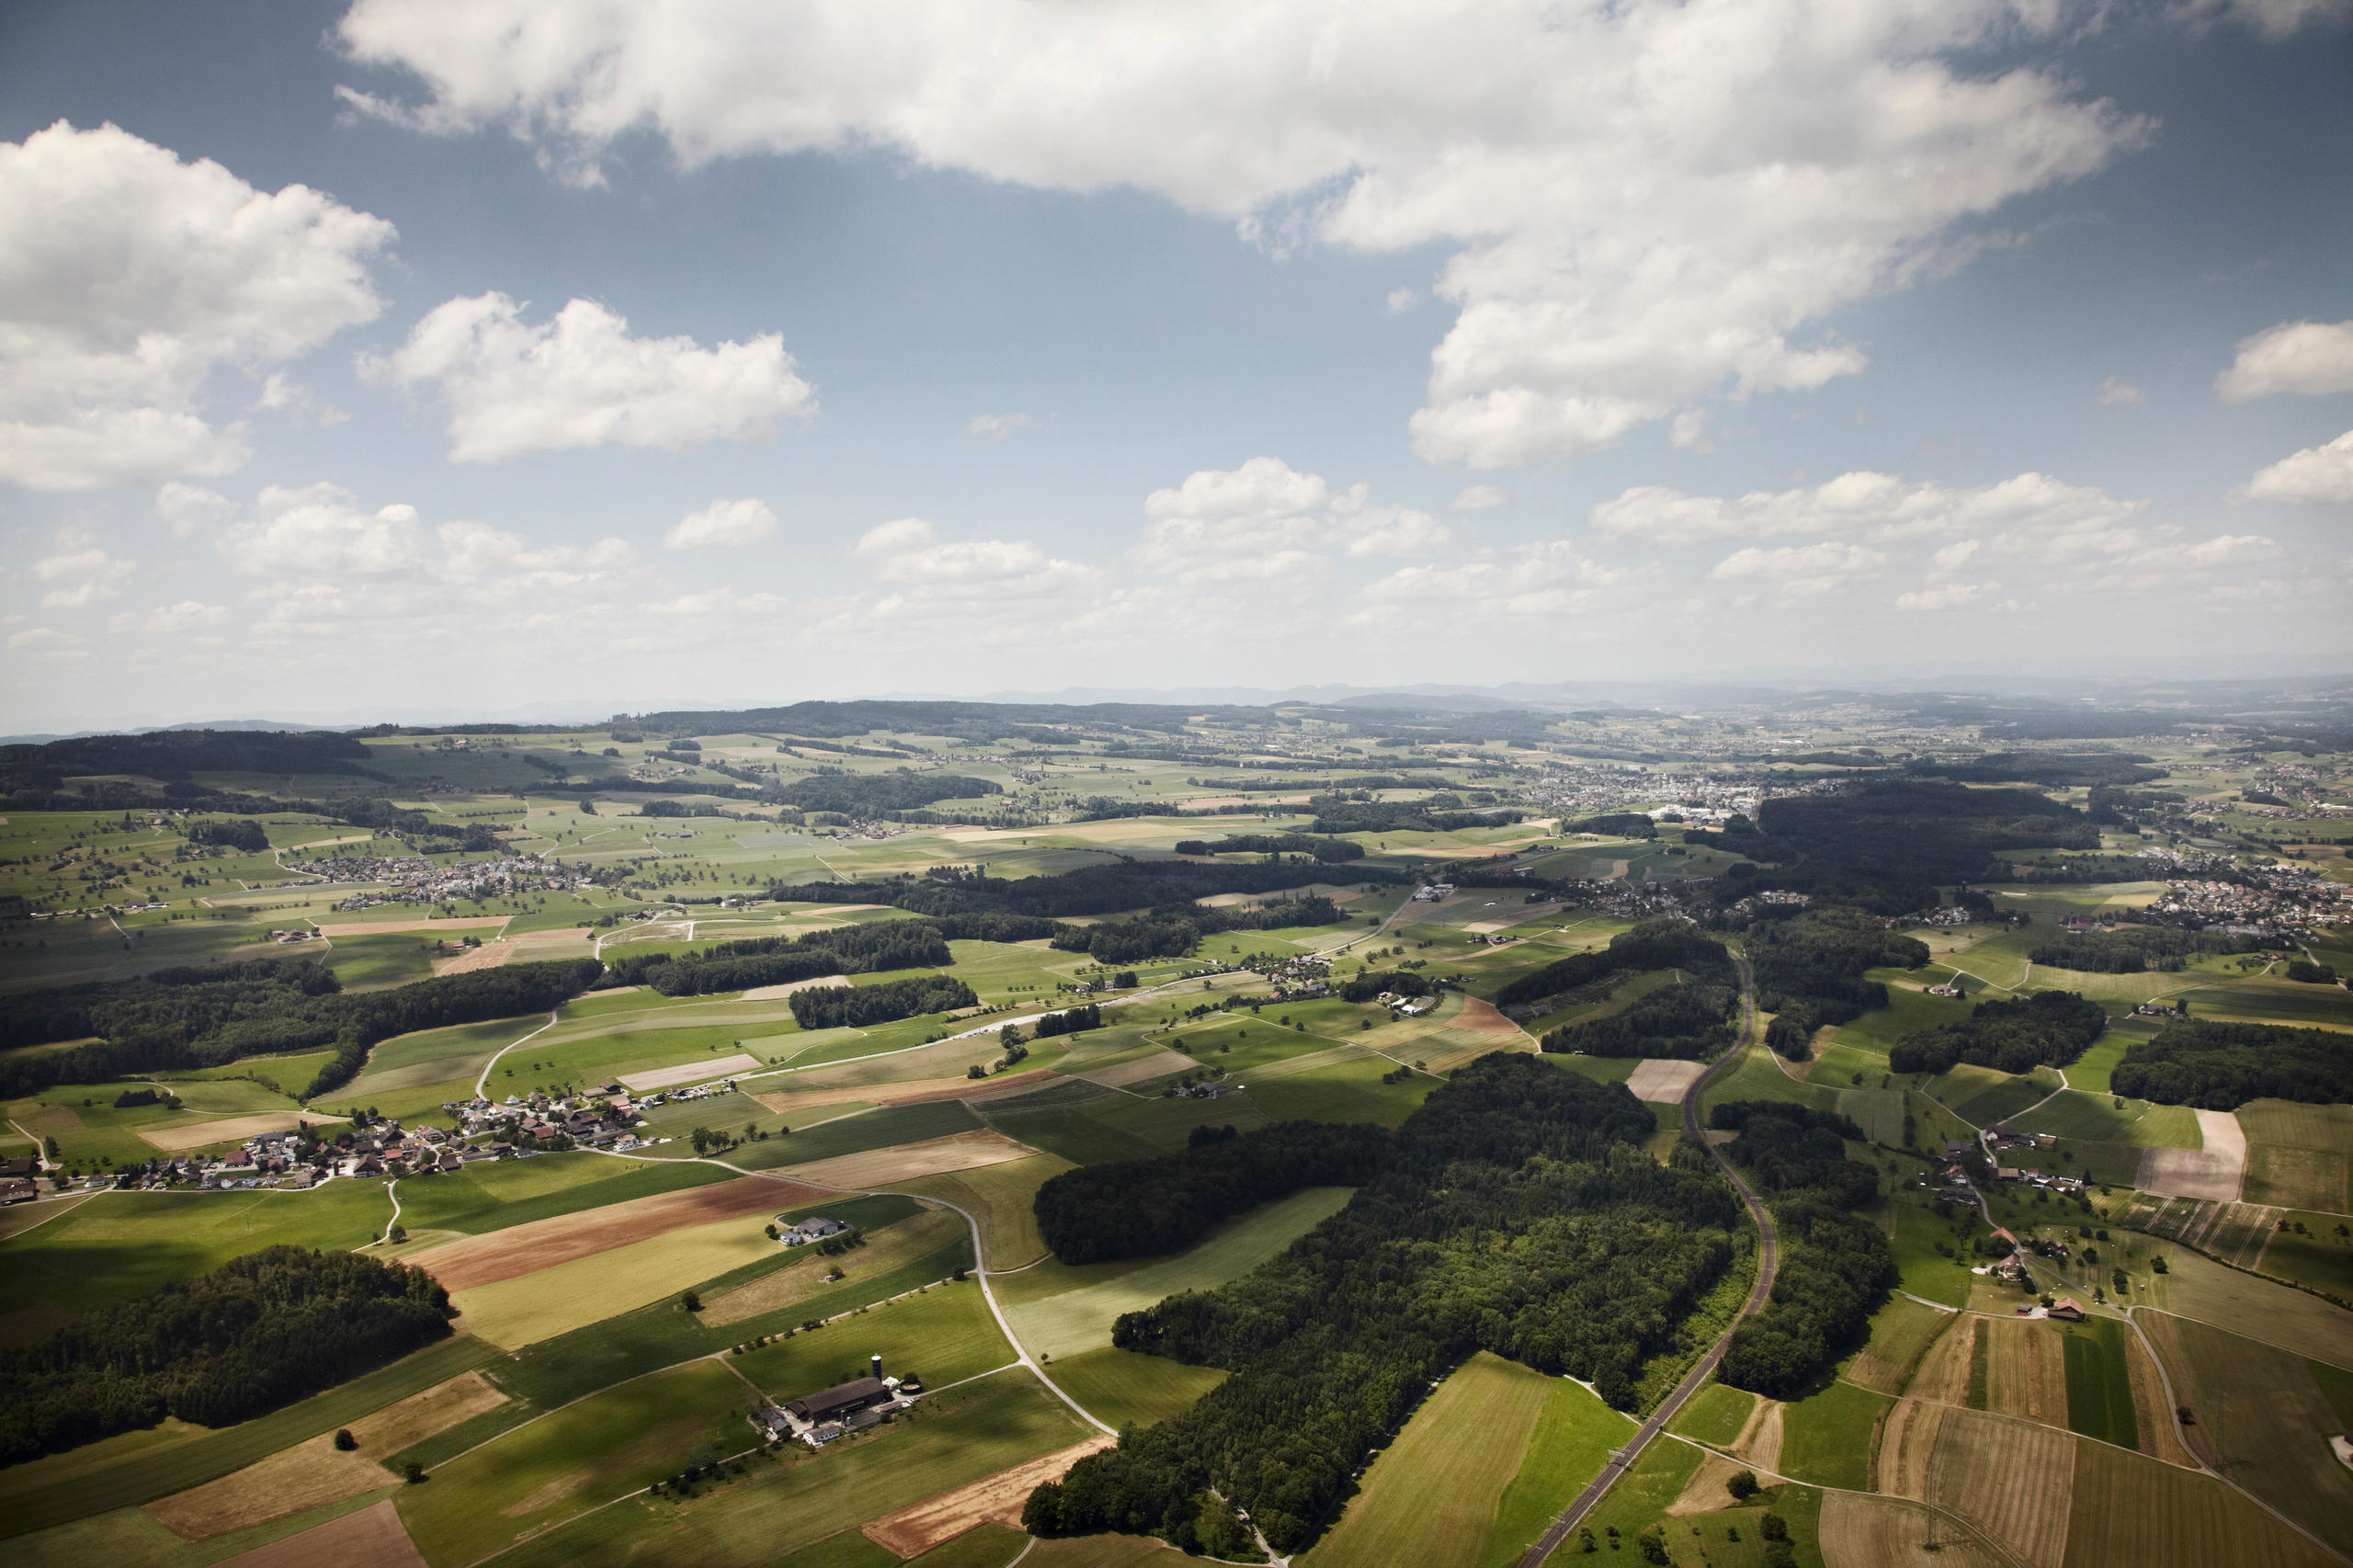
point(394, 359)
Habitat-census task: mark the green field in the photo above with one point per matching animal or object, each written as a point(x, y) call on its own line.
point(2099, 1382)
point(492, 1194)
point(1573, 1436)
point(1827, 1436)
point(1716, 1414)
point(574, 1459)
point(1432, 1496)
point(119, 1246)
point(942, 1337)
point(1124, 1389)
point(782, 1506)
point(1059, 1310)
point(1923, 1271)
point(2262, 1409)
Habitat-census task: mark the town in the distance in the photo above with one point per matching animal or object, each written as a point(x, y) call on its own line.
point(1740, 1127)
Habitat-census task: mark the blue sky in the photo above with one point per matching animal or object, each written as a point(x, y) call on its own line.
point(403, 356)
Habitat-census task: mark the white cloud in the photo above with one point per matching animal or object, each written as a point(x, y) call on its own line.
point(1950, 595)
point(722, 525)
point(2115, 392)
point(999, 425)
point(1804, 568)
point(76, 573)
point(1652, 203)
point(2308, 357)
point(316, 531)
point(1403, 299)
point(186, 508)
point(1480, 498)
point(1548, 579)
point(127, 276)
point(318, 547)
point(188, 616)
point(579, 380)
point(984, 577)
point(1265, 521)
point(2317, 474)
point(1875, 506)
point(1689, 431)
point(2273, 19)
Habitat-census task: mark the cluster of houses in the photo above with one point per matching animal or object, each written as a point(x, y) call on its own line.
point(538, 1121)
point(819, 1418)
point(413, 879)
point(1433, 892)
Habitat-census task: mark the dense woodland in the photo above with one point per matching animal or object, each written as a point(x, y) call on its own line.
point(2221, 1066)
point(2130, 950)
point(1106, 888)
point(1515, 1211)
point(2050, 1028)
point(1837, 1265)
point(872, 794)
point(206, 1014)
point(831, 1006)
point(1175, 930)
point(1809, 971)
point(1661, 943)
point(1406, 816)
point(1885, 848)
point(1689, 1021)
point(1325, 849)
point(259, 1332)
point(1142, 1208)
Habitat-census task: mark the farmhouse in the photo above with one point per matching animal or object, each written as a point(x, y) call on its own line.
point(842, 1399)
point(814, 1229)
point(2067, 1311)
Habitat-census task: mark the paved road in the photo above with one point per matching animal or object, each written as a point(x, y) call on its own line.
point(1767, 1262)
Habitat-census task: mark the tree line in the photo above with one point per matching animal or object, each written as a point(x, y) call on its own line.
point(2050, 1028)
point(1106, 888)
point(2131, 950)
point(255, 1334)
point(1329, 850)
point(1513, 1211)
point(833, 1006)
point(1175, 930)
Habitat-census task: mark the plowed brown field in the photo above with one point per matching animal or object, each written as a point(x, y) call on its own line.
point(543, 1243)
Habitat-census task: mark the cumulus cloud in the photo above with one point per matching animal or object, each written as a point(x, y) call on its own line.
point(186, 616)
point(2116, 392)
point(76, 573)
point(1480, 498)
point(999, 425)
point(1265, 521)
point(1804, 568)
point(1875, 506)
point(932, 576)
point(127, 276)
point(2272, 19)
point(2308, 357)
point(579, 379)
point(1651, 202)
point(722, 525)
point(2317, 474)
point(186, 508)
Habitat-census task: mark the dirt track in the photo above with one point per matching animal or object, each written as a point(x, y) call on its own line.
point(690, 1073)
point(543, 1243)
point(996, 1499)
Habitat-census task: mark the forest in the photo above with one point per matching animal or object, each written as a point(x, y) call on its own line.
point(773, 960)
point(2130, 950)
point(831, 1006)
point(1689, 1021)
point(1809, 971)
point(1400, 816)
point(1515, 1211)
point(870, 794)
point(1837, 1265)
point(2050, 1028)
point(1663, 942)
point(258, 1333)
point(1092, 889)
point(1886, 846)
point(2221, 1066)
point(206, 1015)
point(1144, 1208)
point(1175, 930)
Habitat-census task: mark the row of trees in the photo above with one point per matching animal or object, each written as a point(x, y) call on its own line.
point(833, 1006)
point(1329, 850)
point(258, 1333)
point(2050, 1028)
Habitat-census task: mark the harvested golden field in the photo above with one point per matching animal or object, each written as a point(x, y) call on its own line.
point(690, 1073)
point(1943, 1372)
point(1907, 1442)
point(1158, 1065)
point(1759, 1442)
point(2026, 1370)
point(543, 1244)
point(933, 1157)
point(911, 1091)
point(2277, 1314)
point(380, 928)
point(372, 1537)
point(172, 1137)
point(1707, 1491)
point(307, 1475)
point(2160, 1438)
point(420, 1415)
point(1888, 1532)
point(2131, 1512)
point(994, 1499)
point(2011, 1479)
point(1902, 1333)
point(1003, 1197)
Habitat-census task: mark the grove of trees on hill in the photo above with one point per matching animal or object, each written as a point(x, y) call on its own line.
point(2050, 1028)
point(2221, 1066)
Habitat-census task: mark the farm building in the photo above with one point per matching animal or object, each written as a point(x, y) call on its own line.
point(842, 1399)
point(814, 1229)
point(2067, 1311)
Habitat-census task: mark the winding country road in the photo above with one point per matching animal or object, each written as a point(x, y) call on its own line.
point(1768, 1261)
